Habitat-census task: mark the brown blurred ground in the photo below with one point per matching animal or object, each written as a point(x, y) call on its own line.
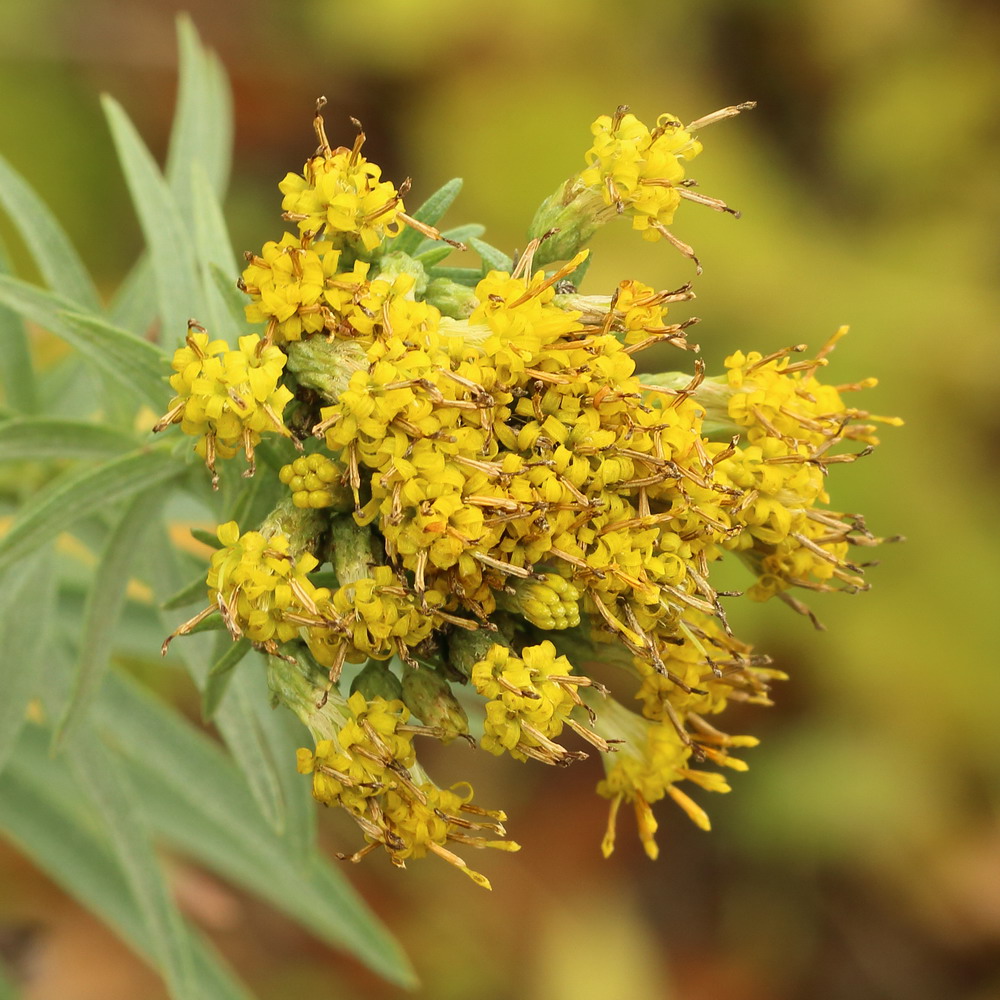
point(860, 857)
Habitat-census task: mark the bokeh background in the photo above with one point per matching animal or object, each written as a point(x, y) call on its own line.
point(860, 856)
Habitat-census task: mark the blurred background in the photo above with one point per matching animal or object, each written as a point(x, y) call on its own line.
point(860, 856)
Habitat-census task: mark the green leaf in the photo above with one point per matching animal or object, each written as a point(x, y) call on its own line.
point(194, 795)
point(27, 597)
point(202, 128)
point(135, 364)
point(236, 302)
point(494, 259)
point(460, 234)
point(220, 675)
point(186, 595)
point(133, 307)
point(469, 276)
point(105, 601)
point(430, 213)
point(178, 294)
point(215, 254)
point(64, 501)
point(57, 260)
point(37, 438)
point(435, 255)
point(43, 814)
point(99, 773)
point(17, 369)
point(284, 734)
point(237, 721)
point(206, 538)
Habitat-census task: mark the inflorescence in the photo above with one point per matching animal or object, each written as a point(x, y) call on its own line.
point(488, 499)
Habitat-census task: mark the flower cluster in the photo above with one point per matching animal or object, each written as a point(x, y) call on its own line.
point(494, 499)
point(227, 399)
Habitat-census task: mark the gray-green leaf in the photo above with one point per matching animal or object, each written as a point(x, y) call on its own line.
point(50, 247)
point(27, 596)
point(178, 293)
point(57, 507)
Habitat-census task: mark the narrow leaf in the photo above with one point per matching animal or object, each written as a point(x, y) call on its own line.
point(494, 259)
point(460, 234)
point(215, 253)
point(50, 247)
point(284, 734)
point(26, 600)
point(235, 300)
point(133, 307)
point(17, 369)
point(430, 213)
point(38, 438)
point(220, 675)
point(169, 243)
point(187, 594)
point(202, 127)
point(42, 813)
point(105, 601)
point(192, 793)
point(237, 721)
point(469, 276)
point(98, 772)
point(136, 364)
point(434, 256)
point(58, 506)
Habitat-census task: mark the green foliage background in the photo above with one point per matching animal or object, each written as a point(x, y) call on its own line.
point(861, 854)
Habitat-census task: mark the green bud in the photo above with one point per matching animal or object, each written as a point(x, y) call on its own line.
point(393, 264)
point(376, 680)
point(576, 211)
point(325, 365)
point(466, 649)
point(451, 299)
point(429, 697)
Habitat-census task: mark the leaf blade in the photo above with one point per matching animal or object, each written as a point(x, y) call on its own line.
point(24, 637)
point(17, 369)
point(57, 260)
point(42, 814)
point(34, 438)
point(202, 805)
point(97, 771)
point(178, 294)
point(75, 496)
point(105, 602)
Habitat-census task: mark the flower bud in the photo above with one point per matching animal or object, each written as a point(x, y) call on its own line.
point(376, 680)
point(429, 697)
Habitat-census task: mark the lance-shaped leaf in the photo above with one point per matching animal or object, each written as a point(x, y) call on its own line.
point(177, 288)
point(133, 363)
point(17, 371)
point(27, 596)
point(98, 772)
point(64, 501)
point(50, 247)
point(43, 812)
point(38, 438)
point(105, 601)
point(202, 131)
point(194, 795)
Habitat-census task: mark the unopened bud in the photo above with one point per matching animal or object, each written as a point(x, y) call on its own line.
point(376, 680)
point(429, 697)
